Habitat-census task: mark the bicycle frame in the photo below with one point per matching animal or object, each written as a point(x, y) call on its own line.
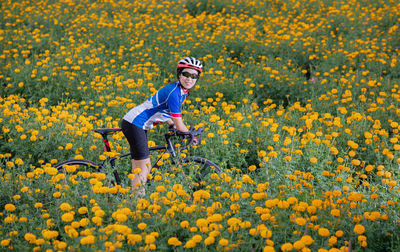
point(168, 147)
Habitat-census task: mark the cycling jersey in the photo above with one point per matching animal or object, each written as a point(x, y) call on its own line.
point(160, 107)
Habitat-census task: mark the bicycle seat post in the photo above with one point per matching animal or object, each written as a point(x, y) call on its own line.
point(106, 146)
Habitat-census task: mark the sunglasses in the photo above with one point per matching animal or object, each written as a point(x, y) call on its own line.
point(189, 75)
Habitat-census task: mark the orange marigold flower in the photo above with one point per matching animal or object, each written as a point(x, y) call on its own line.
point(359, 229)
point(324, 232)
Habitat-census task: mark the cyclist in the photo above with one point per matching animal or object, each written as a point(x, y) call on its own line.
point(163, 106)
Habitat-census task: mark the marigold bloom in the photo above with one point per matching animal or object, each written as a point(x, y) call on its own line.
point(308, 240)
point(300, 221)
point(359, 229)
point(67, 217)
point(335, 212)
point(142, 225)
point(82, 210)
point(9, 207)
point(149, 239)
point(134, 238)
point(223, 242)
point(269, 249)
point(287, 246)
point(209, 240)
point(324, 232)
point(190, 244)
point(252, 168)
point(5, 242)
point(65, 207)
point(298, 245)
point(184, 224)
point(90, 239)
point(174, 241)
point(31, 238)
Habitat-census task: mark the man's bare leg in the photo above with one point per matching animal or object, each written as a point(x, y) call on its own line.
point(141, 178)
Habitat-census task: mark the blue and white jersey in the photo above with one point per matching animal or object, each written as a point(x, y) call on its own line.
point(160, 107)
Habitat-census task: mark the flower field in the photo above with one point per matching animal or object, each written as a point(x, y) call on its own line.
point(300, 102)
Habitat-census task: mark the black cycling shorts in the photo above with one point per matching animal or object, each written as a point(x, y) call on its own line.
point(137, 139)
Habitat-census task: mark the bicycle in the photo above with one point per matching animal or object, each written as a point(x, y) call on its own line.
point(193, 168)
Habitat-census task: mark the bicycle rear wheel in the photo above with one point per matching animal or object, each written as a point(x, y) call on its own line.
point(86, 164)
point(81, 170)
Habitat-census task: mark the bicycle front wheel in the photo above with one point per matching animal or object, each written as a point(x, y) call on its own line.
point(199, 170)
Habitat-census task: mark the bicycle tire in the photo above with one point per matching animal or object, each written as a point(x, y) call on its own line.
point(76, 167)
point(204, 168)
point(209, 165)
point(92, 165)
point(190, 173)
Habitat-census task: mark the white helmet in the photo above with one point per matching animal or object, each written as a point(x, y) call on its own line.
point(190, 62)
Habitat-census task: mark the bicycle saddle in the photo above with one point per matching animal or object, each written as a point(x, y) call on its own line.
point(106, 130)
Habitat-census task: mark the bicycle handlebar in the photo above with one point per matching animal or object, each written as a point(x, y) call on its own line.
point(191, 134)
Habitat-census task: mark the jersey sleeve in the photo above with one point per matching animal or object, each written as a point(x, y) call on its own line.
point(174, 105)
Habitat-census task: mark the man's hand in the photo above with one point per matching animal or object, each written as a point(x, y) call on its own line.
point(195, 140)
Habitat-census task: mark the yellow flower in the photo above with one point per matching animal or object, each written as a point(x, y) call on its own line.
point(18, 161)
point(142, 225)
point(31, 238)
point(67, 217)
point(161, 188)
point(121, 217)
point(174, 241)
point(335, 212)
point(134, 238)
point(5, 242)
point(38, 205)
point(201, 222)
point(61, 245)
point(287, 247)
point(223, 242)
point(82, 210)
point(324, 232)
point(65, 207)
point(313, 160)
point(9, 207)
point(269, 249)
point(359, 229)
point(197, 238)
point(262, 153)
point(90, 239)
point(252, 168)
point(68, 146)
point(300, 221)
point(57, 195)
point(149, 239)
point(298, 245)
point(97, 220)
point(209, 240)
point(190, 244)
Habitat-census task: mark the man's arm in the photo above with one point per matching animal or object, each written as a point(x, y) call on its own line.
point(170, 122)
point(179, 125)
